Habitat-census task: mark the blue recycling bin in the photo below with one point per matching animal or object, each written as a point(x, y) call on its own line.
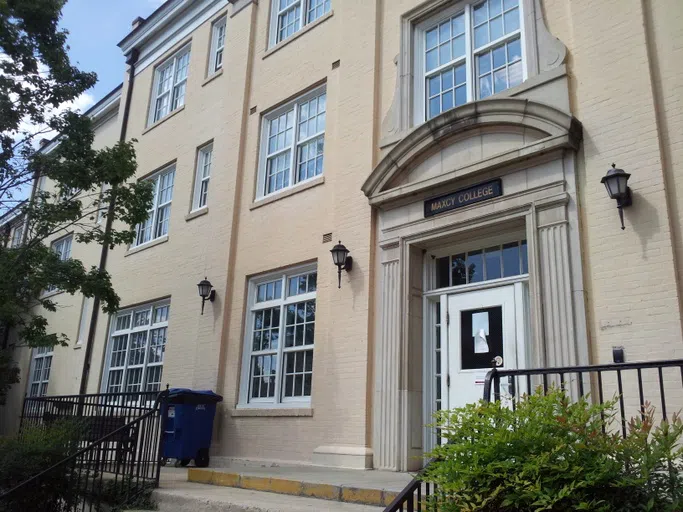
point(188, 425)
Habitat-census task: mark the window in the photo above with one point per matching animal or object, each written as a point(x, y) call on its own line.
point(156, 224)
point(217, 45)
point(293, 142)
point(137, 344)
point(290, 16)
point(62, 248)
point(17, 236)
point(170, 81)
point(40, 371)
point(495, 262)
point(469, 53)
point(201, 184)
point(278, 365)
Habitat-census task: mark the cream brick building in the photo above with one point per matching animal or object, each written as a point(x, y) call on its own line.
point(326, 120)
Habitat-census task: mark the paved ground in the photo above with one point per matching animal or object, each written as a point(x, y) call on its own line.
point(179, 496)
point(382, 480)
point(176, 494)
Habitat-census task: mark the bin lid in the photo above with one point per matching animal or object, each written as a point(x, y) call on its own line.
point(193, 396)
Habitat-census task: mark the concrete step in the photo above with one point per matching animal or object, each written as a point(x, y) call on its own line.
point(180, 496)
point(375, 488)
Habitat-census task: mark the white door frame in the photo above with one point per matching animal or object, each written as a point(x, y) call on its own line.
point(440, 297)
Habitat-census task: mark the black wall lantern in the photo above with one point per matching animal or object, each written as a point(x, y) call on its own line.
point(341, 258)
point(616, 183)
point(206, 292)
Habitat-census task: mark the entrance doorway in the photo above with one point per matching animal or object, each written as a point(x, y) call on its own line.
point(483, 328)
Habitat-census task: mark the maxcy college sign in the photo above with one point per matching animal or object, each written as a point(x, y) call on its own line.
point(464, 197)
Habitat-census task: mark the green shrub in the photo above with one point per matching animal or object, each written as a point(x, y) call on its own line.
point(552, 455)
point(26, 455)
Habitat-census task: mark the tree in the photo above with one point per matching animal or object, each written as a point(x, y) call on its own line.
point(37, 83)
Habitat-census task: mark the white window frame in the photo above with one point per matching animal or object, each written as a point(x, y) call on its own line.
point(277, 401)
point(41, 361)
point(17, 235)
point(219, 31)
point(305, 8)
point(296, 143)
point(67, 241)
point(157, 206)
point(420, 113)
point(175, 99)
point(202, 177)
point(146, 364)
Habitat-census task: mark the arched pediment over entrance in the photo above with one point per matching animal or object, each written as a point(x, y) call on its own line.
point(473, 138)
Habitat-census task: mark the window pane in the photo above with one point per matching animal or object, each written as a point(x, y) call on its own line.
point(511, 21)
point(481, 36)
point(442, 272)
point(311, 159)
point(496, 28)
point(298, 373)
point(138, 343)
point(485, 86)
point(524, 257)
point(133, 380)
point(515, 74)
point(141, 318)
point(288, 22)
point(459, 272)
point(263, 371)
point(153, 380)
point(495, 8)
point(122, 322)
point(511, 259)
point(316, 8)
point(157, 346)
point(266, 332)
point(475, 266)
point(480, 14)
point(493, 263)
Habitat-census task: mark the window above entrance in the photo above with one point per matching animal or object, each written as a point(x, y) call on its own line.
point(465, 53)
point(487, 264)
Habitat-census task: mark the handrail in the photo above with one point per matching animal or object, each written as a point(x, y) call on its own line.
point(97, 445)
point(407, 495)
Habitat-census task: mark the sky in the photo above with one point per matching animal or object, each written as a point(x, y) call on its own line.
point(95, 28)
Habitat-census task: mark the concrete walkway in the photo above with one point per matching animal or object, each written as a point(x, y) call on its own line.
point(176, 494)
point(241, 487)
point(378, 488)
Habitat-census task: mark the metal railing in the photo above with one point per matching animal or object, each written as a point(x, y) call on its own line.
point(127, 406)
point(633, 386)
point(119, 468)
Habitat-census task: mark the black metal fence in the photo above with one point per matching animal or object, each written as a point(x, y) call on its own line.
point(116, 463)
point(126, 406)
point(634, 387)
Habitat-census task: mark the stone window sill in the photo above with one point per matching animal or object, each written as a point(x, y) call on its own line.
point(298, 34)
point(196, 213)
point(289, 192)
point(162, 121)
point(153, 243)
point(211, 78)
point(279, 412)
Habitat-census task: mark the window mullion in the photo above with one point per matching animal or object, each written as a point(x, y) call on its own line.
point(469, 57)
point(280, 356)
point(295, 139)
point(303, 17)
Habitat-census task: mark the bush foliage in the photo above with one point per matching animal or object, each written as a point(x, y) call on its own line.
point(551, 454)
point(26, 455)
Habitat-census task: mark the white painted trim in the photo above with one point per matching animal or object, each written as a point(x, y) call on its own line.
point(260, 194)
point(175, 24)
point(244, 402)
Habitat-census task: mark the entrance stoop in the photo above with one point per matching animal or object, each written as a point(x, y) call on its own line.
point(298, 487)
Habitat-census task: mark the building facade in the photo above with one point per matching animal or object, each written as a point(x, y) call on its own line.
point(454, 147)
